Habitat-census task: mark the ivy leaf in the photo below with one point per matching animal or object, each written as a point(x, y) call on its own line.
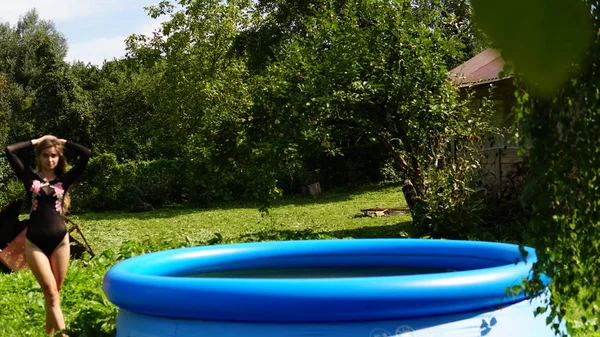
point(540, 38)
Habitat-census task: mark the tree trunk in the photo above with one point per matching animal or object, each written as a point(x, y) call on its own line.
point(414, 184)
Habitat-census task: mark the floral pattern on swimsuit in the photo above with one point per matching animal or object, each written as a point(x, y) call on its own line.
point(59, 193)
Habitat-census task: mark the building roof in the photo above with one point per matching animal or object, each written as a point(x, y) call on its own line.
point(480, 69)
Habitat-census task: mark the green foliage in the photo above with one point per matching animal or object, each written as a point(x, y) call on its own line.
point(271, 92)
point(122, 110)
point(340, 88)
point(453, 207)
point(9, 190)
point(563, 188)
point(200, 100)
point(357, 72)
point(56, 106)
point(388, 172)
point(561, 129)
point(85, 305)
point(41, 95)
point(21, 302)
point(4, 104)
point(541, 39)
point(10, 95)
point(110, 184)
point(459, 201)
point(200, 94)
point(20, 44)
point(88, 311)
point(135, 186)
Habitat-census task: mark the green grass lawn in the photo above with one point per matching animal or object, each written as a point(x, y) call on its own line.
point(333, 214)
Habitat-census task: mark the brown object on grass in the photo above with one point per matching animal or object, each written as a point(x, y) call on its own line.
point(387, 211)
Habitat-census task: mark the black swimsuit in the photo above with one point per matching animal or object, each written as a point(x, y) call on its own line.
point(46, 226)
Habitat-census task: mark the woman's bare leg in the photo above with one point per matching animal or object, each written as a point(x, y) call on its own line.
point(59, 261)
point(40, 265)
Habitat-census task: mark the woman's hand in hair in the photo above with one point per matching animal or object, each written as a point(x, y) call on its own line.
point(43, 138)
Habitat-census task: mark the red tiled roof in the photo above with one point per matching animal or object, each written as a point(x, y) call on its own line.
point(482, 68)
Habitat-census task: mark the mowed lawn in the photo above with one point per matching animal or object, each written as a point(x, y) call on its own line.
point(332, 214)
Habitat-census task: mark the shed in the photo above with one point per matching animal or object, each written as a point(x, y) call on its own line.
point(480, 74)
point(477, 76)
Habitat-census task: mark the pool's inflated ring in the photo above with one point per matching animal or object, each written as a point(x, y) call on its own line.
point(157, 284)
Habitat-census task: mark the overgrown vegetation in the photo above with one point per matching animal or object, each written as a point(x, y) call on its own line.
point(558, 116)
point(563, 188)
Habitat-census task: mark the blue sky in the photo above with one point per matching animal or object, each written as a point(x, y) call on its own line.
point(95, 29)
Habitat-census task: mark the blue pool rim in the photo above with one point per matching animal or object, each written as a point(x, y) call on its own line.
point(152, 284)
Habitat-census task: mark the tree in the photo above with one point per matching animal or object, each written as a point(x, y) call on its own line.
point(5, 108)
point(200, 95)
point(257, 89)
point(362, 69)
point(33, 52)
point(280, 20)
point(19, 46)
point(121, 108)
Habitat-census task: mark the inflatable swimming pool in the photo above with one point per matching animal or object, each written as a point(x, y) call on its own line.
point(350, 288)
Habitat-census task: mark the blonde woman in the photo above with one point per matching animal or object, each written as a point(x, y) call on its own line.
point(47, 247)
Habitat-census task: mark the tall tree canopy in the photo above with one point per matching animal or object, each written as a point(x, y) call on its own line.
point(354, 71)
point(33, 52)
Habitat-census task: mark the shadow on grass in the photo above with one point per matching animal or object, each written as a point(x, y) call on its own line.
point(328, 197)
point(334, 195)
point(400, 230)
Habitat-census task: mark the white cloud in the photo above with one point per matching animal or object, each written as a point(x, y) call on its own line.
point(149, 27)
point(59, 10)
point(92, 42)
point(97, 50)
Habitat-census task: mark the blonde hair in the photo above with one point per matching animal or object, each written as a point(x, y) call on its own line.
point(61, 167)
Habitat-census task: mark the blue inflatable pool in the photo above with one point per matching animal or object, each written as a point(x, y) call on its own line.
point(350, 288)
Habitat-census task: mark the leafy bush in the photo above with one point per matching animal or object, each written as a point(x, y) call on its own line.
point(108, 184)
point(453, 204)
point(461, 203)
point(10, 187)
point(388, 172)
point(563, 189)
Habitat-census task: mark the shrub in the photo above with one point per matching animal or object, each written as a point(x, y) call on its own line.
point(108, 184)
point(453, 204)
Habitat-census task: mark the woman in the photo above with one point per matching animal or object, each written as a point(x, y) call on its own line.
point(47, 247)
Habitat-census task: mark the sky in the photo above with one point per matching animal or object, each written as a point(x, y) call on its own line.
point(95, 29)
